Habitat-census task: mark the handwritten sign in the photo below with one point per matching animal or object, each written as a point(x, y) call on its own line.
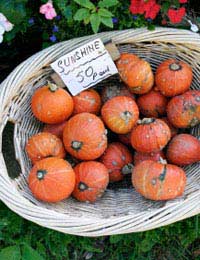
point(85, 66)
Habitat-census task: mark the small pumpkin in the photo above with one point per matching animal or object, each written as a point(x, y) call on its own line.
point(183, 149)
point(87, 101)
point(174, 130)
point(91, 181)
point(85, 137)
point(125, 138)
point(42, 145)
point(173, 77)
point(150, 135)
point(152, 104)
point(51, 105)
point(111, 91)
point(55, 129)
point(154, 156)
point(183, 111)
point(158, 181)
point(118, 160)
point(136, 73)
point(120, 114)
point(51, 179)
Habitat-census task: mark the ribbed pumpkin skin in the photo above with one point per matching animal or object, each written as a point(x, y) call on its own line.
point(157, 181)
point(51, 107)
point(93, 177)
point(183, 111)
point(120, 114)
point(174, 130)
point(140, 157)
point(87, 101)
point(152, 137)
point(55, 129)
point(84, 136)
point(183, 149)
point(109, 92)
point(173, 82)
point(125, 138)
point(152, 104)
point(57, 183)
point(43, 145)
point(115, 157)
point(135, 73)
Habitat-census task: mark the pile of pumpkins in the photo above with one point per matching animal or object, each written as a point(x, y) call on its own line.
point(74, 155)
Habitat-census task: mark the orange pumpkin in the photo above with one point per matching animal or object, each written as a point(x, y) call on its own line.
point(55, 129)
point(111, 91)
point(91, 181)
point(42, 145)
point(158, 181)
point(135, 72)
point(118, 160)
point(173, 77)
point(51, 105)
point(174, 130)
point(150, 135)
point(183, 149)
point(140, 157)
point(120, 114)
point(84, 136)
point(51, 179)
point(125, 138)
point(183, 111)
point(152, 104)
point(87, 101)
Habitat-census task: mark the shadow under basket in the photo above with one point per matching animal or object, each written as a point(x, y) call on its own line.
point(121, 209)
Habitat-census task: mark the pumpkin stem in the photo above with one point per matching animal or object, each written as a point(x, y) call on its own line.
point(126, 115)
point(76, 145)
point(82, 186)
point(127, 168)
point(161, 160)
point(52, 87)
point(146, 121)
point(163, 173)
point(41, 174)
point(175, 66)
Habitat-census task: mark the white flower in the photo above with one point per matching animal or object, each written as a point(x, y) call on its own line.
point(5, 23)
point(2, 30)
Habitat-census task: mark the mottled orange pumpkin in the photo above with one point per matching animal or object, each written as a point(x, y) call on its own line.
point(84, 136)
point(118, 160)
point(183, 149)
point(150, 135)
point(158, 181)
point(111, 91)
point(140, 157)
point(87, 101)
point(174, 130)
point(125, 138)
point(55, 129)
point(183, 111)
point(51, 179)
point(136, 73)
point(152, 104)
point(91, 181)
point(173, 77)
point(51, 104)
point(120, 114)
point(42, 145)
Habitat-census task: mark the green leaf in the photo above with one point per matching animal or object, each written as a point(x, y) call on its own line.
point(85, 3)
point(10, 253)
point(28, 253)
point(107, 21)
point(15, 12)
point(116, 239)
point(81, 14)
point(105, 13)
point(151, 27)
point(95, 22)
point(165, 7)
point(67, 12)
point(107, 3)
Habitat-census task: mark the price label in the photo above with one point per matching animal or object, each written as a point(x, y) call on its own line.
point(85, 66)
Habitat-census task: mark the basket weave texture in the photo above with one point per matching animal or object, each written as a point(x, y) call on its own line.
point(121, 210)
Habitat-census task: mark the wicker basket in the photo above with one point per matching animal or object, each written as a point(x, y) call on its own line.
point(121, 210)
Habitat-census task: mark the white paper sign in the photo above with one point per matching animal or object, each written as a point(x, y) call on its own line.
point(85, 66)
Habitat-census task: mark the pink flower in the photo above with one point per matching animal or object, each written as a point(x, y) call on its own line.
point(5, 23)
point(48, 10)
point(182, 1)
